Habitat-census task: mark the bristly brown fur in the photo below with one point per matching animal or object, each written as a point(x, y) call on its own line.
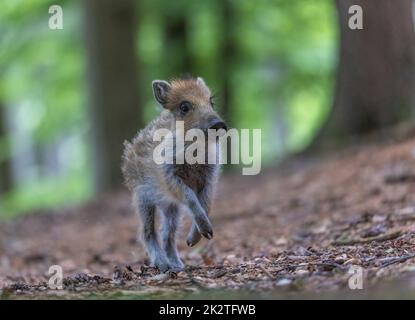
point(187, 90)
point(139, 151)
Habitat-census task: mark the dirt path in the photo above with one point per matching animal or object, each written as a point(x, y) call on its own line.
point(287, 231)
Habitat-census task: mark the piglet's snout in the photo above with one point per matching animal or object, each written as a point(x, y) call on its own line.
point(217, 124)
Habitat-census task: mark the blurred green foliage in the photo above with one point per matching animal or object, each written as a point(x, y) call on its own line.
point(282, 79)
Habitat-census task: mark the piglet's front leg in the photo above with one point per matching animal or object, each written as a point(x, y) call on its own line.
point(188, 197)
point(194, 235)
point(201, 222)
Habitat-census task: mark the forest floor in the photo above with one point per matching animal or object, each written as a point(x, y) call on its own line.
point(295, 231)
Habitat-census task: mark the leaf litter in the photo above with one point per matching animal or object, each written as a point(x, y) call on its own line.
point(294, 229)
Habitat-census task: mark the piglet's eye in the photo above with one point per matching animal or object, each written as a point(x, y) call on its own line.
point(185, 107)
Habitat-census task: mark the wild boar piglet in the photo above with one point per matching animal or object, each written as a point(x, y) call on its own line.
point(174, 187)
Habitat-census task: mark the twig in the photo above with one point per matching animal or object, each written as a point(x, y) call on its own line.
point(384, 237)
point(192, 280)
point(218, 274)
point(333, 265)
point(269, 275)
point(397, 260)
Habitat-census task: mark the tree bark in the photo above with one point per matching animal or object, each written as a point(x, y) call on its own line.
point(178, 57)
point(6, 179)
point(376, 72)
point(228, 55)
point(114, 104)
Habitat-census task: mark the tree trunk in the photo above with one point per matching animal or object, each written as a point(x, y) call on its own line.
point(228, 55)
point(6, 179)
point(115, 110)
point(376, 72)
point(178, 57)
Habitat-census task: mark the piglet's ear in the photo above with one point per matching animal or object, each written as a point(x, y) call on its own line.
point(201, 82)
point(160, 90)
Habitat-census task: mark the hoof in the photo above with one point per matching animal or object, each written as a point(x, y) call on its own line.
point(208, 235)
point(193, 237)
point(205, 229)
point(162, 264)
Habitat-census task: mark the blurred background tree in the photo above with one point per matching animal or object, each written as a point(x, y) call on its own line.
point(6, 184)
point(376, 74)
point(114, 94)
point(70, 97)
